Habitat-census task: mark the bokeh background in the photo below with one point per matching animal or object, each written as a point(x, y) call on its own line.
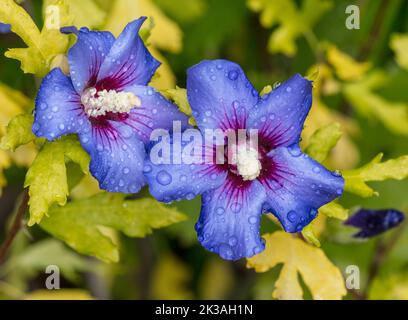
point(361, 82)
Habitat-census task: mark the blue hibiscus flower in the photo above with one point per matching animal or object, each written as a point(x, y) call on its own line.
point(107, 102)
point(275, 177)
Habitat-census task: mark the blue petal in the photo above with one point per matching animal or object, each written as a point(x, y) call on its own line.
point(87, 55)
point(280, 115)
point(58, 110)
point(129, 62)
point(155, 112)
point(117, 157)
point(229, 223)
point(220, 95)
point(297, 186)
point(374, 222)
point(5, 28)
point(178, 179)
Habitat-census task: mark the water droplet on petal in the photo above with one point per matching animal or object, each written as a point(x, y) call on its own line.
point(220, 211)
point(295, 151)
point(313, 213)
point(126, 170)
point(164, 178)
point(232, 241)
point(292, 216)
point(36, 127)
point(236, 207)
point(233, 75)
point(147, 168)
point(316, 169)
point(253, 220)
point(225, 251)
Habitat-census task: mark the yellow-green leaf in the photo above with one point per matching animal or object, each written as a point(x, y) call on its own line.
point(322, 277)
point(79, 223)
point(179, 97)
point(292, 21)
point(394, 115)
point(83, 13)
point(47, 177)
point(18, 132)
point(345, 66)
point(42, 46)
point(323, 141)
point(399, 43)
point(309, 235)
point(375, 170)
point(334, 210)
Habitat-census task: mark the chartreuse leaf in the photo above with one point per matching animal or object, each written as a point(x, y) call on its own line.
point(292, 21)
point(323, 141)
point(310, 236)
point(42, 47)
point(179, 97)
point(399, 43)
point(375, 170)
point(321, 276)
point(18, 132)
point(334, 210)
point(12, 103)
point(345, 66)
point(47, 177)
point(79, 222)
point(82, 13)
point(360, 94)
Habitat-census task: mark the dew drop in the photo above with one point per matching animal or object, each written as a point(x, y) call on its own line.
point(147, 168)
point(313, 213)
point(295, 151)
point(252, 220)
point(233, 75)
point(164, 178)
point(316, 169)
point(126, 170)
point(225, 251)
point(220, 211)
point(232, 241)
point(292, 216)
point(236, 207)
point(36, 127)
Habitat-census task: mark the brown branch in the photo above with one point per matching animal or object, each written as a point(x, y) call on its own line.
point(15, 228)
